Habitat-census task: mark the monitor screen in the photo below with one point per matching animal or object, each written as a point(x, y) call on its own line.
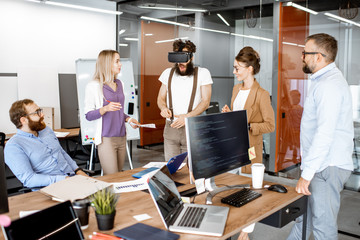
point(217, 143)
point(4, 207)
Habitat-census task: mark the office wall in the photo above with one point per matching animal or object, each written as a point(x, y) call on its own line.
point(40, 41)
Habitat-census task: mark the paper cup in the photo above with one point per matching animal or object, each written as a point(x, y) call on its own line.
point(81, 208)
point(257, 171)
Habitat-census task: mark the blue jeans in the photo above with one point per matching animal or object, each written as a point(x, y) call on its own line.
point(323, 205)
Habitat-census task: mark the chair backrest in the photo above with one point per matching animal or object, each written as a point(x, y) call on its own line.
point(4, 206)
point(2, 139)
point(53, 223)
point(213, 108)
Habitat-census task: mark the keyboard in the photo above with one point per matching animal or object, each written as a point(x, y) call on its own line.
point(193, 217)
point(241, 197)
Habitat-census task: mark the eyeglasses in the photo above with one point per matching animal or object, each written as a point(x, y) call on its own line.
point(38, 112)
point(312, 53)
point(236, 68)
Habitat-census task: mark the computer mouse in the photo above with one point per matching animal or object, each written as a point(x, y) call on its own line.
point(278, 188)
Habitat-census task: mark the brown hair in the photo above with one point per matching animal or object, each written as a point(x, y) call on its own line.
point(326, 43)
point(18, 110)
point(250, 57)
point(179, 44)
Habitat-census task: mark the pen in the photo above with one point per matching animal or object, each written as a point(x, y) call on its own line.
point(106, 236)
point(107, 100)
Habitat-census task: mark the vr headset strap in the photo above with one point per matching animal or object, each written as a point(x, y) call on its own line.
point(191, 103)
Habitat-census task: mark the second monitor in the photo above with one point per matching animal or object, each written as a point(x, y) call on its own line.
point(217, 143)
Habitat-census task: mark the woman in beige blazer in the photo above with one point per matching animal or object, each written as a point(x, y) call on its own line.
point(249, 96)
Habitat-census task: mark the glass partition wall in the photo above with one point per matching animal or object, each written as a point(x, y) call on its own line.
point(219, 29)
point(298, 20)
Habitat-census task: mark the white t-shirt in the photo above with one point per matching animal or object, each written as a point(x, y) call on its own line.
point(181, 89)
point(240, 100)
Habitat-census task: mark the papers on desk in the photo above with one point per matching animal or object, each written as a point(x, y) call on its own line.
point(61, 134)
point(130, 186)
point(72, 188)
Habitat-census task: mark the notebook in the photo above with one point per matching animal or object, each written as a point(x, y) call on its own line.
point(182, 217)
point(143, 231)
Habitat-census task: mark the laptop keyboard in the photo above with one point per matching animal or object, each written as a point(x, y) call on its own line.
point(241, 197)
point(193, 217)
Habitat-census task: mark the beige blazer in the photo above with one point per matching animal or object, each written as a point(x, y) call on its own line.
point(260, 115)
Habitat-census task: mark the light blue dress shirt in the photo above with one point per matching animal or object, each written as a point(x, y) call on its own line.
point(327, 130)
point(38, 161)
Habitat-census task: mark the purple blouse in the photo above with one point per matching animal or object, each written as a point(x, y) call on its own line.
point(113, 123)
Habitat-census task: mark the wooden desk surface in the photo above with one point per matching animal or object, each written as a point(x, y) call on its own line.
point(73, 133)
point(135, 203)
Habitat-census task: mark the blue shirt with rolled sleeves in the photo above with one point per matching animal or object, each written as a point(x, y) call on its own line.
point(327, 129)
point(38, 161)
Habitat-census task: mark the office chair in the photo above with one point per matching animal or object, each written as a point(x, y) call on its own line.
point(2, 139)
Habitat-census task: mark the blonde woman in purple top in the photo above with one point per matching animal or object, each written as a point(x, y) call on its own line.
point(104, 100)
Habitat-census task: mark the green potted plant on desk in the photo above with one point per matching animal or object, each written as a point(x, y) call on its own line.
point(104, 202)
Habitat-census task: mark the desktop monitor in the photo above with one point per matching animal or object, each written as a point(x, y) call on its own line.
point(217, 143)
point(4, 207)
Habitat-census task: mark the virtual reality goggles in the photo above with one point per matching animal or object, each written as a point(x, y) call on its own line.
point(179, 57)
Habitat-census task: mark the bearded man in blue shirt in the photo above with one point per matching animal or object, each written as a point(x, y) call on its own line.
point(34, 153)
point(326, 137)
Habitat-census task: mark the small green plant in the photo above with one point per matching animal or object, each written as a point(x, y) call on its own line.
point(104, 201)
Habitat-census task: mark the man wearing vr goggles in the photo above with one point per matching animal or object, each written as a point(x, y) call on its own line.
point(185, 92)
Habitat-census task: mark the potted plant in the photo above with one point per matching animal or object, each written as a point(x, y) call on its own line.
point(104, 203)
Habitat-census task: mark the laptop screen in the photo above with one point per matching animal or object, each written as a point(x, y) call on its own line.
point(165, 195)
point(54, 223)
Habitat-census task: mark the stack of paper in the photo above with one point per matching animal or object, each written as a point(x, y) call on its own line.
point(72, 188)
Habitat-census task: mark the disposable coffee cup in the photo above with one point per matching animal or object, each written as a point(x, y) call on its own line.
point(257, 171)
point(81, 208)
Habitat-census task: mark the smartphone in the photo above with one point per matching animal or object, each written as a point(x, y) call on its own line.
point(144, 172)
point(189, 192)
point(131, 108)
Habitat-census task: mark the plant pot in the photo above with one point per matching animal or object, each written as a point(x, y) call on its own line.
point(105, 222)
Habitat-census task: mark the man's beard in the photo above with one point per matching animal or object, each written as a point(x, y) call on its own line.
point(37, 125)
point(307, 68)
point(189, 69)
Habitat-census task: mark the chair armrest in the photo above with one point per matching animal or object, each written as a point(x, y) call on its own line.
point(89, 172)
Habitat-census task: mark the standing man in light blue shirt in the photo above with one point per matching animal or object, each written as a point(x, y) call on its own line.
point(326, 137)
point(34, 153)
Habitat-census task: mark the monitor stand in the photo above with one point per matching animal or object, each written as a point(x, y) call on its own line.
point(213, 189)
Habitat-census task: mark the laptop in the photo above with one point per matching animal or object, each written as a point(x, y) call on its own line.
point(58, 222)
point(182, 217)
point(173, 165)
point(175, 162)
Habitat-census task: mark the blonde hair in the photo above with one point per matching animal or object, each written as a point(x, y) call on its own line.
point(104, 62)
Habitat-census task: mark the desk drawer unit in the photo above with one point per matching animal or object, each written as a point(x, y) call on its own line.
point(287, 214)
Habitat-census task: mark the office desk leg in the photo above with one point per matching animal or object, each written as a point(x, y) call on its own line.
point(305, 220)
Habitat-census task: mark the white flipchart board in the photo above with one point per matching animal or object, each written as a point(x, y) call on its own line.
point(85, 69)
